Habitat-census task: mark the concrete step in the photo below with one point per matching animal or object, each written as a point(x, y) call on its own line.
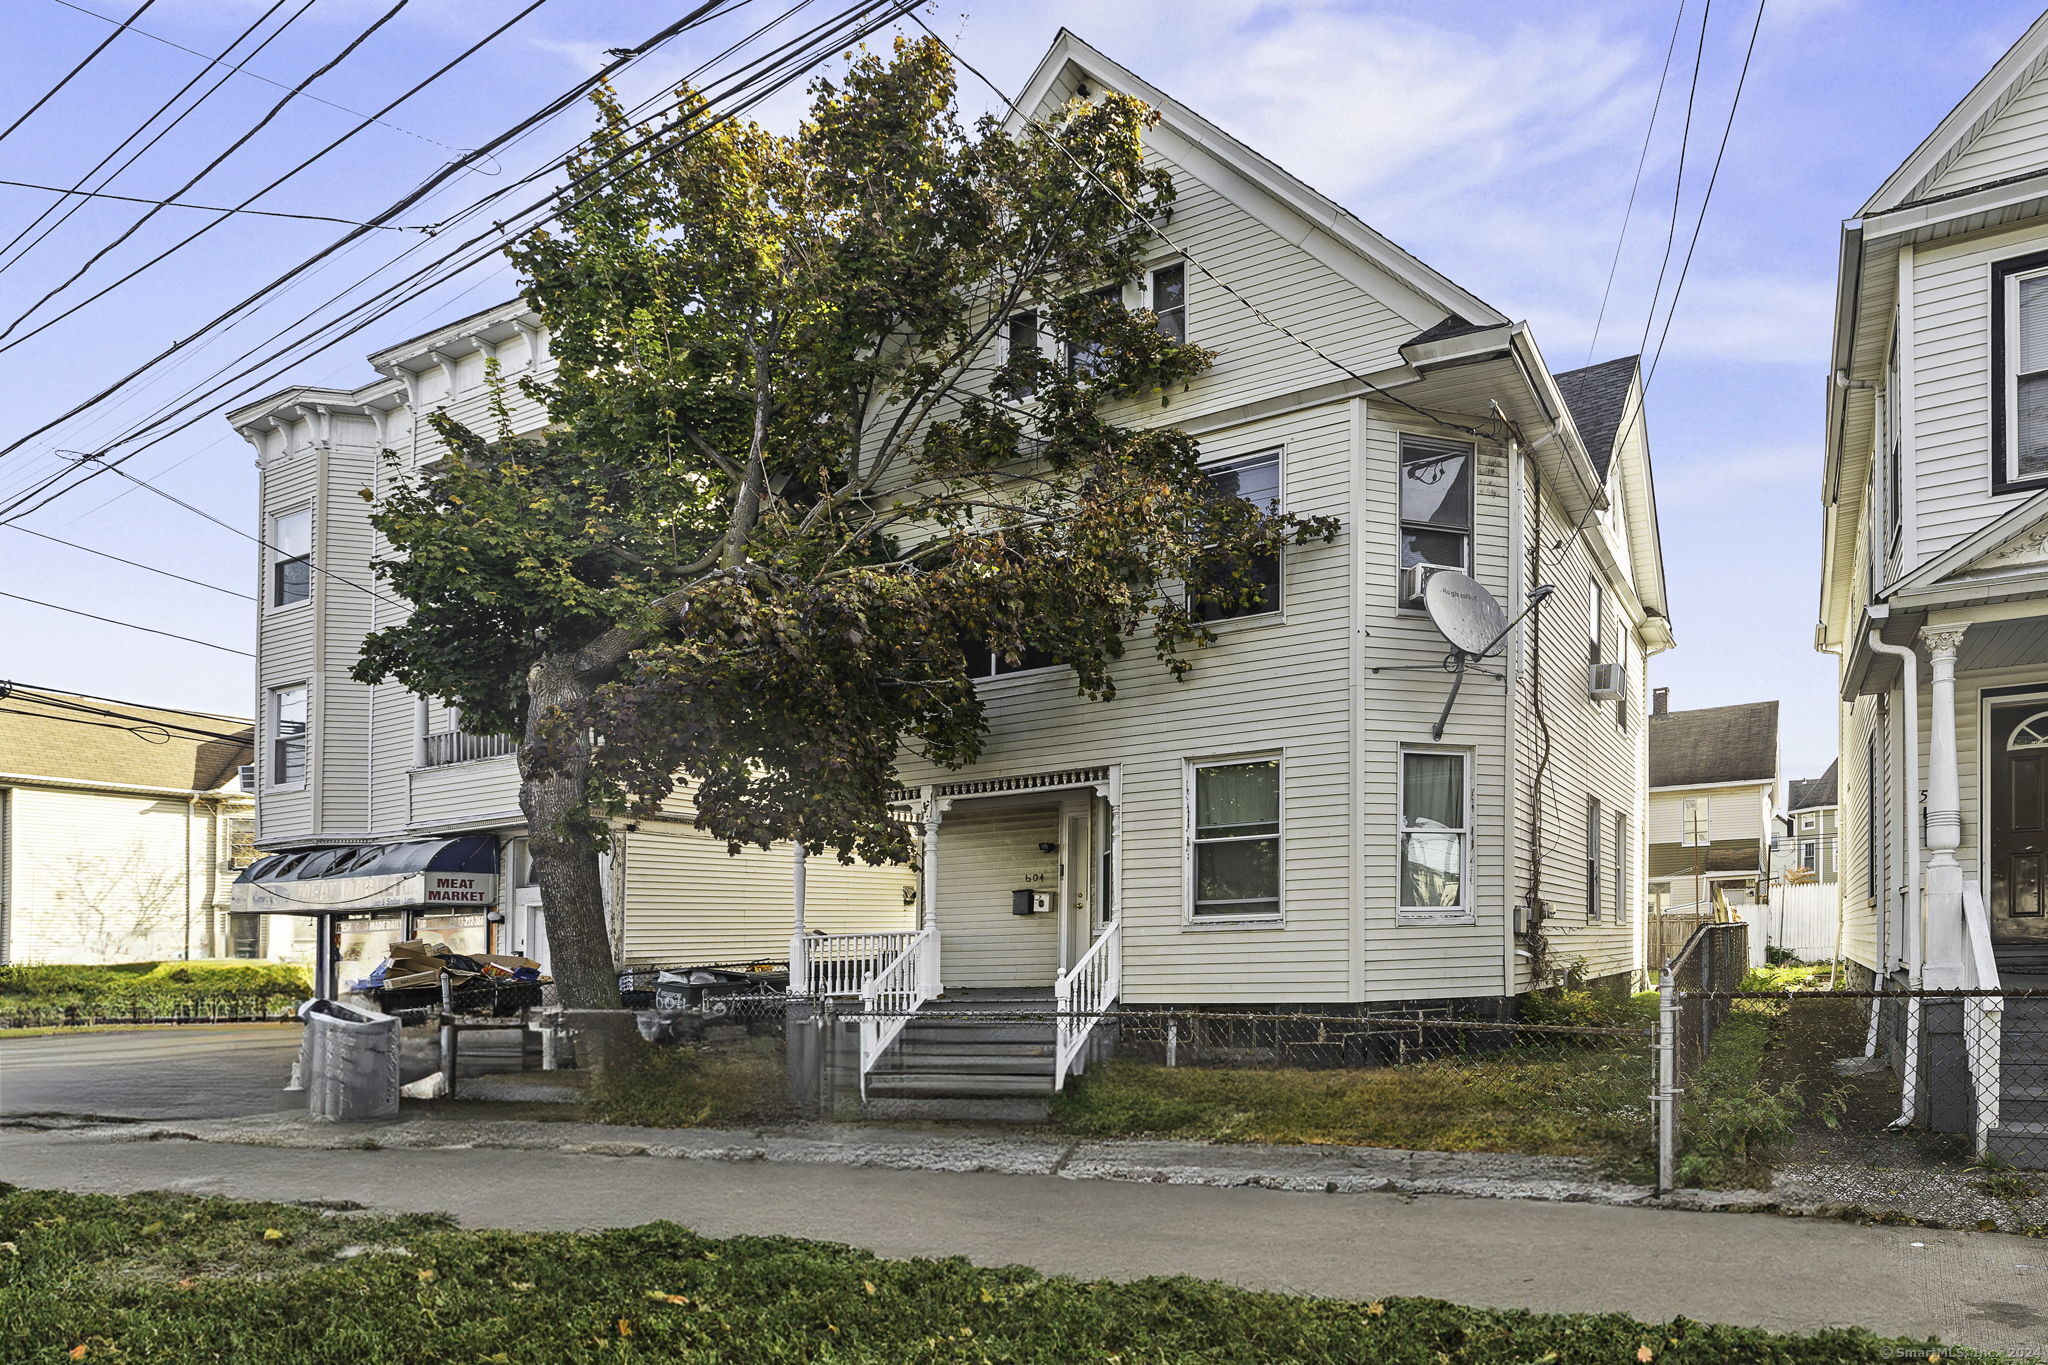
point(2023, 1103)
point(958, 1083)
point(2023, 1144)
point(998, 1031)
point(895, 1065)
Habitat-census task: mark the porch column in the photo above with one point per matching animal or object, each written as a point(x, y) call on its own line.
point(1943, 904)
point(799, 946)
point(928, 895)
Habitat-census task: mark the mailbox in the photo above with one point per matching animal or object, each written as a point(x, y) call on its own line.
point(1030, 902)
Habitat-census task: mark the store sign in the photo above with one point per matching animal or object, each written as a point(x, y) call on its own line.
point(342, 895)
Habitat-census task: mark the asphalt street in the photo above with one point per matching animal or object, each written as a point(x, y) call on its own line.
point(191, 1071)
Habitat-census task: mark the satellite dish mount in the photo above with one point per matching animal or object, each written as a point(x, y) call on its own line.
point(1471, 619)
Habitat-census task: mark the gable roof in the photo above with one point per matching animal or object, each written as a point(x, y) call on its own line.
point(1072, 61)
point(46, 735)
point(1715, 744)
point(1805, 793)
point(1922, 175)
point(1598, 395)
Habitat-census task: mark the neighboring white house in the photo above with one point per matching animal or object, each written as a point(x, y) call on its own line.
point(1934, 589)
point(1713, 791)
point(1283, 827)
point(120, 829)
point(1803, 846)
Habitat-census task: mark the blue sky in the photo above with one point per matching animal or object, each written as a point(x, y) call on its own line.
point(1495, 140)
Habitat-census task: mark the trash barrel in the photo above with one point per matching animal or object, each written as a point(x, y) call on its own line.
point(348, 1062)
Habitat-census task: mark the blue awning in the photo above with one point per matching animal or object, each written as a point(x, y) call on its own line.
point(417, 872)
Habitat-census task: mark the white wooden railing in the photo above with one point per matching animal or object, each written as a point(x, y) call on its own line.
point(895, 992)
point(1983, 1015)
point(839, 964)
point(1080, 996)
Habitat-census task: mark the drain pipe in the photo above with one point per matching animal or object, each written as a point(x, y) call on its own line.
point(1909, 672)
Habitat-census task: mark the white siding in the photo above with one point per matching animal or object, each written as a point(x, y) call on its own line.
point(988, 849)
point(2012, 142)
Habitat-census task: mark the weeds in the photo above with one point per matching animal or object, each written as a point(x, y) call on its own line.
point(685, 1087)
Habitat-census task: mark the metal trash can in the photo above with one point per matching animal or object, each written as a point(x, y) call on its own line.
point(348, 1061)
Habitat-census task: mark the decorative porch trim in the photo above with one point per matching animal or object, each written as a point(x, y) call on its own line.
point(998, 786)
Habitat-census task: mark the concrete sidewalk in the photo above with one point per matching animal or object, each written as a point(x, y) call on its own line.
point(1977, 1289)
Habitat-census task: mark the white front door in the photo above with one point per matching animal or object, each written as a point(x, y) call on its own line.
point(529, 927)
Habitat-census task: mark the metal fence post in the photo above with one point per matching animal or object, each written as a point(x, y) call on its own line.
point(1667, 1081)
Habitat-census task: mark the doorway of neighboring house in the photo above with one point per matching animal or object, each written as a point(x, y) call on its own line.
point(526, 928)
point(2016, 823)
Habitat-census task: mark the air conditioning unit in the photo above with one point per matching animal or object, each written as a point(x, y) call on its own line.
point(1414, 579)
point(247, 777)
point(1606, 682)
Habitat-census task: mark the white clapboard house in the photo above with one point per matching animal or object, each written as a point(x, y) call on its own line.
point(1282, 828)
point(1935, 597)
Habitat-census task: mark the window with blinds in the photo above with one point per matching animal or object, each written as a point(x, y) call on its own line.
point(2019, 332)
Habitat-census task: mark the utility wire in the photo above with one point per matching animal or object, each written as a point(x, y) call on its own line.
point(69, 693)
point(152, 630)
point(209, 208)
point(1138, 216)
point(1678, 180)
point(336, 60)
point(135, 564)
point(1642, 158)
point(83, 63)
point(68, 702)
point(160, 134)
point(405, 202)
point(241, 69)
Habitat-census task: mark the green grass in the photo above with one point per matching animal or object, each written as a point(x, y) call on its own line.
point(1547, 1101)
point(40, 989)
point(685, 1087)
point(168, 1279)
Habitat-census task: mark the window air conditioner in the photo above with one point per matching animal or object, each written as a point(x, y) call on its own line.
point(1606, 682)
point(1413, 579)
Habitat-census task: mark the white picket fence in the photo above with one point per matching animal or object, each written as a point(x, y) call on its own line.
point(1799, 919)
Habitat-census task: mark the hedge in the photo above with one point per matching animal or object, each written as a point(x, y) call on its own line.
point(125, 986)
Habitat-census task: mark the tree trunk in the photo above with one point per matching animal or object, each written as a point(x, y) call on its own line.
point(554, 771)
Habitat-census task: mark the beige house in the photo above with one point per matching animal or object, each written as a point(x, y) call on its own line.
point(121, 827)
point(1713, 799)
point(1934, 592)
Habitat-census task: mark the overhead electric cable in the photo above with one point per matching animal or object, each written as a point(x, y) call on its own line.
point(83, 63)
point(336, 60)
point(210, 208)
point(119, 701)
point(135, 564)
point(1642, 157)
point(1678, 180)
point(66, 702)
point(241, 69)
point(151, 630)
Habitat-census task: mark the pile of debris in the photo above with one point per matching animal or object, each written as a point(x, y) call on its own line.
point(408, 983)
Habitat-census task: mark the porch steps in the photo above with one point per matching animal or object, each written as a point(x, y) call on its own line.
point(948, 1063)
point(2022, 1134)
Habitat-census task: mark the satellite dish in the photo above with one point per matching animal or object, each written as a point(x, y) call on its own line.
point(1466, 613)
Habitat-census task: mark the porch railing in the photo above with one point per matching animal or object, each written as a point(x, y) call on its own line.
point(1982, 1015)
point(457, 746)
point(840, 964)
point(1080, 996)
point(890, 996)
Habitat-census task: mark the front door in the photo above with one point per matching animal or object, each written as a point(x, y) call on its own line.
point(2017, 825)
point(529, 927)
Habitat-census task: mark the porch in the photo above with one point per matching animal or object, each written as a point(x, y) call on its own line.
point(1000, 992)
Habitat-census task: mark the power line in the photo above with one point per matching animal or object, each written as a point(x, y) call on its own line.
point(117, 701)
point(1138, 217)
point(161, 133)
point(336, 60)
point(241, 69)
point(1678, 180)
point(66, 702)
point(136, 564)
point(152, 630)
point(83, 63)
point(209, 208)
point(1642, 158)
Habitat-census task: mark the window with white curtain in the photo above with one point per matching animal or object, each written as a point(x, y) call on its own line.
point(291, 557)
point(2021, 415)
point(1234, 839)
point(1436, 832)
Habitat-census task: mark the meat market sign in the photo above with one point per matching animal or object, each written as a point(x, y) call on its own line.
point(342, 894)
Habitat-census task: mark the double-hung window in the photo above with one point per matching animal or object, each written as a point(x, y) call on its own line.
point(1234, 839)
point(1020, 338)
point(1436, 506)
point(985, 662)
point(1170, 299)
point(1436, 834)
point(1692, 822)
point(288, 730)
point(1593, 874)
point(2019, 342)
point(291, 557)
point(1621, 866)
point(1242, 587)
point(1087, 357)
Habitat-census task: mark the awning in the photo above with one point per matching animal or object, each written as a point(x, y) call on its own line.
point(418, 872)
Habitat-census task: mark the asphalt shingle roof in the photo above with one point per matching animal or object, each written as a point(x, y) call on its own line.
point(41, 738)
point(1805, 793)
point(1715, 744)
point(1596, 395)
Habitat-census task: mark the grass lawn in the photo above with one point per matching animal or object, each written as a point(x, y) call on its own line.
point(684, 1087)
point(1547, 1101)
point(168, 1279)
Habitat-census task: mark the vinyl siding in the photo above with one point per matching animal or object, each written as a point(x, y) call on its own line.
point(987, 850)
point(2012, 142)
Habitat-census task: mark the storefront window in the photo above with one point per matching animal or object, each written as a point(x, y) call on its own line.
point(467, 932)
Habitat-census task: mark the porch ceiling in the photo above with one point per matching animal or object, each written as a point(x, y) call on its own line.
point(2004, 644)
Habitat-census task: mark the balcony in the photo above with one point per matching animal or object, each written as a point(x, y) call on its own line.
point(456, 746)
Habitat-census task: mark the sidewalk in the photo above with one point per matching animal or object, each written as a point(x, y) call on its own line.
point(1303, 1220)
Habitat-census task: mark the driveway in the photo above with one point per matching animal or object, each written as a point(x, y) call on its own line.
point(190, 1071)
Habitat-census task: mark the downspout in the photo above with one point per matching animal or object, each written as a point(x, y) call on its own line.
point(1909, 672)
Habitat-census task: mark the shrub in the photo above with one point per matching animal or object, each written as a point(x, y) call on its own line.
point(1581, 1007)
point(123, 986)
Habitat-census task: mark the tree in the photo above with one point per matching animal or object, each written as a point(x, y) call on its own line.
point(803, 455)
